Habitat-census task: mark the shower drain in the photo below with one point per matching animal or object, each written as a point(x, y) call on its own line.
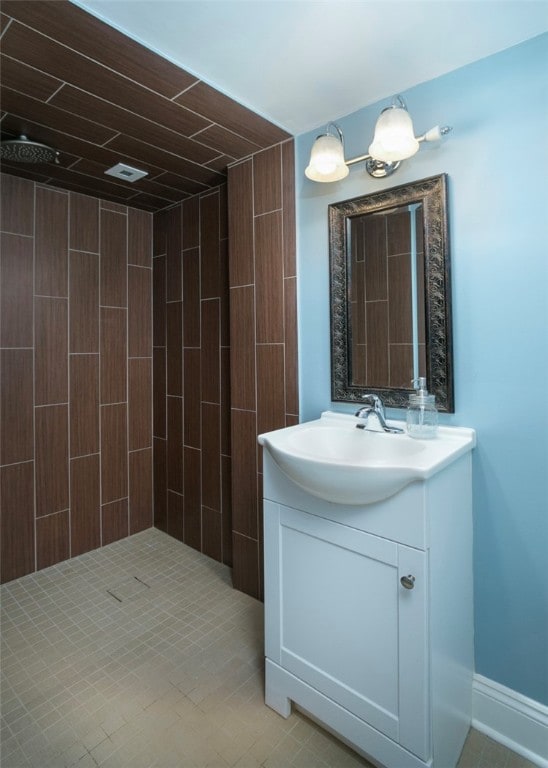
point(128, 589)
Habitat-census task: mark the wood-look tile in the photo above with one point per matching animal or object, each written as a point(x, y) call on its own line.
point(26, 108)
point(16, 398)
point(223, 212)
point(192, 534)
point(244, 473)
point(140, 403)
point(192, 398)
point(377, 343)
point(113, 355)
point(85, 504)
point(131, 124)
point(267, 180)
point(174, 286)
point(114, 521)
point(176, 181)
point(242, 350)
point(291, 420)
point(401, 365)
point(212, 534)
point(139, 312)
point(174, 334)
point(23, 173)
point(114, 455)
point(159, 392)
point(52, 539)
point(225, 401)
point(240, 223)
point(191, 223)
point(226, 500)
point(245, 572)
point(210, 359)
point(398, 233)
point(105, 205)
point(58, 61)
point(191, 297)
point(78, 30)
point(50, 351)
point(175, 515)
point(17, 522)
point(159, 301)
point(226, 142)
point(19, 77)
point(52, 459)
point(17, 205)
point(159, 225)
point(160, 484)
point(51, 243)
point(291, 346)
point(174, 456)
point(113, 272)
point(221, 109)
point(211, 456)
point(375, 261)
point(288, 214)
point(84, 404)
point(400, 329)
point(209, 245)
point(139, 246)
point(224, 292)
point(84, 223)
point(140, 490)
point(269, 278)
point(16, 291)
point(84, 301)
point(270, 387)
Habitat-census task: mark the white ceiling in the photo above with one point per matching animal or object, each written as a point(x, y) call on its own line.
point(302, 63)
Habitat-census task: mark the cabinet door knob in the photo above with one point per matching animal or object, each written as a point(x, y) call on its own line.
point(407, 581)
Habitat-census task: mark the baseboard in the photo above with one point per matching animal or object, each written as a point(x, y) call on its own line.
point(519, 723)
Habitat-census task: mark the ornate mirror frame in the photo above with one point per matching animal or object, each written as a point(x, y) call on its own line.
point(432, 194)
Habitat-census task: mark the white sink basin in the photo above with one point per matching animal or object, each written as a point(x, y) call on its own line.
point(331, 459)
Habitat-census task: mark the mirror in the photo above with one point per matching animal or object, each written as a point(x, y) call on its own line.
point(390, 294)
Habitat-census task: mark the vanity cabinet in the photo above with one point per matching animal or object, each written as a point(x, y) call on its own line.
point(368, 615)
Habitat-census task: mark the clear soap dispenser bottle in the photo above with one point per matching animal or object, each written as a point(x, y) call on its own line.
point(422, 414)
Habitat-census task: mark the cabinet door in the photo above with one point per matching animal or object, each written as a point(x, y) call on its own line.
point(339, 619)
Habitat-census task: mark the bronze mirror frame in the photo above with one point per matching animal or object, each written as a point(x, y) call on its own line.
point(432, 194)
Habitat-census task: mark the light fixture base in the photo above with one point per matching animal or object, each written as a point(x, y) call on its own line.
point(379, 170)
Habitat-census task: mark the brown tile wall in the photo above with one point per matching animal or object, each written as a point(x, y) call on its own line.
point(191, 374)
point(263, 330)
point(76, 374)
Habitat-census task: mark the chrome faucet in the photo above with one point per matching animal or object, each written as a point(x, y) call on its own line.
point(374, 408)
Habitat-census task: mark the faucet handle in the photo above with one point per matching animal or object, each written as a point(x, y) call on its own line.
point(375, 402)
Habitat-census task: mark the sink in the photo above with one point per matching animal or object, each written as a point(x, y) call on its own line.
point(333, 460)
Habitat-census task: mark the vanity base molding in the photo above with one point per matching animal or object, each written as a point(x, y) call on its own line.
point(282, 688)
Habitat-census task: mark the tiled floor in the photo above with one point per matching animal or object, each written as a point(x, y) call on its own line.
point(142, 655)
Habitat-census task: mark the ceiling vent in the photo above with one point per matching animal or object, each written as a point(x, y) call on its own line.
point(126, 172)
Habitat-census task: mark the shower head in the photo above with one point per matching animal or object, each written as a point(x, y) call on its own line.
point(23, 150)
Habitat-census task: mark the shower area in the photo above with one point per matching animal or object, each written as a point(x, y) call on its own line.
point(142, 353)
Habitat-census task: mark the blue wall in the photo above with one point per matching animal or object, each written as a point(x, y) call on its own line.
point(498, 212)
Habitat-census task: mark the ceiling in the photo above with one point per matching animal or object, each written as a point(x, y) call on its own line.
point(303, 63)
point(70, 81)
point(163, 83)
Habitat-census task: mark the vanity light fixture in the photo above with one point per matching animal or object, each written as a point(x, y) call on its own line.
point(394, 141)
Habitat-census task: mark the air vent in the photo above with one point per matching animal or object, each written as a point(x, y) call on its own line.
point(126, 172)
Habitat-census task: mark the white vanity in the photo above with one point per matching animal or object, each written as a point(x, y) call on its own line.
point(368, 599)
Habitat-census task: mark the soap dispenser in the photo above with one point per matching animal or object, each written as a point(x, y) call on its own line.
point(422, 414)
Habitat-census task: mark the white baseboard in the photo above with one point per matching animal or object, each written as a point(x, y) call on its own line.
point(519, 723)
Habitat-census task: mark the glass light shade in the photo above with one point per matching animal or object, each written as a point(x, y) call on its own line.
point(327, 160)
point(394, 138)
